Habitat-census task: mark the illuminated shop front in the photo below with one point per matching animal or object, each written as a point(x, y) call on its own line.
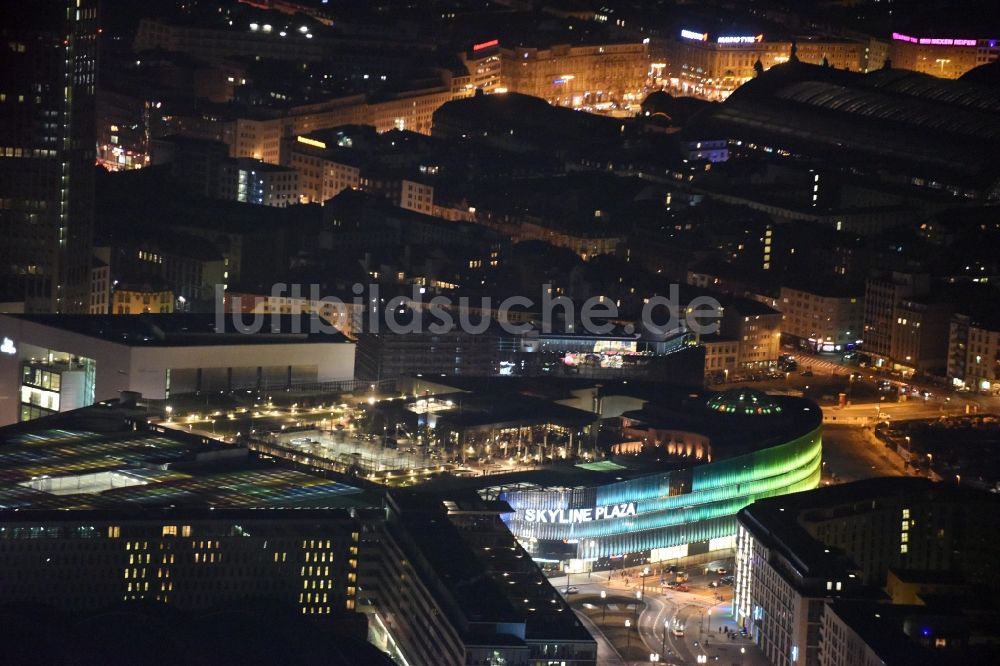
point(682, 512)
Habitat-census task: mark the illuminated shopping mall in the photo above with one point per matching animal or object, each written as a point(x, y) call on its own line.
point(670, 490)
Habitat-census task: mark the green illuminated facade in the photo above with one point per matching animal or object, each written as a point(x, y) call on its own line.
point(672, 513)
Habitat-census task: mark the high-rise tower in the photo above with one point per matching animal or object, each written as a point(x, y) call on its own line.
point(48, 72)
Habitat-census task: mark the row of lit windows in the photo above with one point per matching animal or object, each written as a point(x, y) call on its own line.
point(8, 151)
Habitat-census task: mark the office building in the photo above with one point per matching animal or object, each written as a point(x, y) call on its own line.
point(884, 291)
point(798, 553)
point(49, 71)
point(54, 364)
point(190, 559)
point(453, 587)
point(920, 336)
point(388, 354)
point(264, 184)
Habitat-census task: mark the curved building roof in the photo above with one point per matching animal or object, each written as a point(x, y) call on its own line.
point(897, 124)
point(744, 402)
point(967, 93)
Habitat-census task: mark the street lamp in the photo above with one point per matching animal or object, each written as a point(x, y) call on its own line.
point(666, 625)
point(743, 652)
point(709, 620)
point(604, 603)
point(628, 636)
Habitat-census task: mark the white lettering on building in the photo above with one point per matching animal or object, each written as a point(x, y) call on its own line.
point(567, 516)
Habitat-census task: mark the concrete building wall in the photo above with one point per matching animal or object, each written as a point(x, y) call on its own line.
point(119, 367)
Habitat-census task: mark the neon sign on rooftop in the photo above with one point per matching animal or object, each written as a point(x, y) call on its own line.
point(933, 41)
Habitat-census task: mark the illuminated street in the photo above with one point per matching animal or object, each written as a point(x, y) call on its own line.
point(659, 611)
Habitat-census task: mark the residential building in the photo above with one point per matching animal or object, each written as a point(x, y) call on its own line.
point(721, 357)
point(757, 329)
point(821, 319)
point(142, 298)
point(346, 315)
point(325, 164)
point(944, 57)
point(974, 352)
point(593, 75)
point(712, 66)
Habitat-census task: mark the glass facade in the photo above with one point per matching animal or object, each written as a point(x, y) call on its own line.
point(662, 510)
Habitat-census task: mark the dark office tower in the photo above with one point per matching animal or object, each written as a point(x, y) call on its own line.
point(48, 71)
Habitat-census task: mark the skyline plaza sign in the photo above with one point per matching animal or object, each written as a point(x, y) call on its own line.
point(569, 516)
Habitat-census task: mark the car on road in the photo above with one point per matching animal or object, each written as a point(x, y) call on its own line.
point(806, 373)
point(727, 580)
point(572, 589)
point(683, 588)
point(714, 583)
point(722, 571)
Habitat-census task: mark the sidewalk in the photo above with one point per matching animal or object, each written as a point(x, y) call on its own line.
point(719, 645)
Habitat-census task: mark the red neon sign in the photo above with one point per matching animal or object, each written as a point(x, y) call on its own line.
point(486, 45)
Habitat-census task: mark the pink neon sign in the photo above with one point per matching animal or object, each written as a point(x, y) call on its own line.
point(933, 41)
